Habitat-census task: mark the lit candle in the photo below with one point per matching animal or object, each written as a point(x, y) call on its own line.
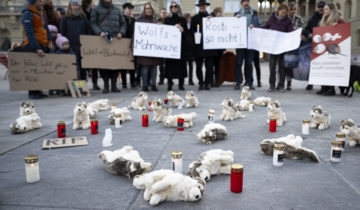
point(236, 178)
point(197, 35)
point(32, 168)
point(145, 120)
point(94, 126)
point(335, 155)
point(61, 129)
point(251, 106)
point(180, 124)
point(166, 101)
point(149, 106)
point(211, 116)
point(341, 138)
point(278, 155)
point(176, 159)
point(305, 127)
point(272, 125)
point(113, 106)
point(118, 121)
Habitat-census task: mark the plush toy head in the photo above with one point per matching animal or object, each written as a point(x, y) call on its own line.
point(80, 107)
point(316, 111)
point(190, 94)
point(227, 103)
point(273, 106)
point(346, 126)
point(198, 169)
point(27, 108)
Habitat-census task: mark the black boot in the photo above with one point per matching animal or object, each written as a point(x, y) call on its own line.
point(181, 84)
point(309, 87)
point(322, 90)
point(170, 84)
point(114, 89)
point(106, 85)
point(259, 83)
point(330, 91)
point(288, 87)
point(96, 87)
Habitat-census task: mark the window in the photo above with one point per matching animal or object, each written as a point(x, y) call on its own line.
point(231, 6)
point(227, 6)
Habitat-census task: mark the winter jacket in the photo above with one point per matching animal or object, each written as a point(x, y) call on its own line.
point(130, 27)
point(312, 23)
point(198, 48)
point(35, 27)
point(109, 20)
point(283, 25)
point(188, 37)
point(148, 61)
point(72, 28)
point(255, 20)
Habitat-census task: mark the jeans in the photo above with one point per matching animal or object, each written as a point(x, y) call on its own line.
point(248, 55)
point(145, 72)
point(208, 72)
point(282, 74)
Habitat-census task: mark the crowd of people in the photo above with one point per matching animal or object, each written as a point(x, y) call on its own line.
point(50, 30)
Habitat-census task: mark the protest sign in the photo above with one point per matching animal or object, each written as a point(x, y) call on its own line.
point(29, 71)
point(64, 142)
point(79, 89)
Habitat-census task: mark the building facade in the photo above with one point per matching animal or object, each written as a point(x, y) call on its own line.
point(10, 12)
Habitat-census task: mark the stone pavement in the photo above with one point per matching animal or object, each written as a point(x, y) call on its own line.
point(74, 178)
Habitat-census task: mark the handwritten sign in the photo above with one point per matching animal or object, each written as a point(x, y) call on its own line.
point(273, 42)
point(79, 89)
point(28, 71)
point(154, 40)
point(224, 33)
point(97, 52)
point(64, 142)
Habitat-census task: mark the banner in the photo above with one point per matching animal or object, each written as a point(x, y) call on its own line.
point(331, 55)
point(97, 52)
point(29, 71)
point(155, 40)
point(224, 33)
point(273, 42)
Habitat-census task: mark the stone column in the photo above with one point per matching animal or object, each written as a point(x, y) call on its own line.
point(307, 8)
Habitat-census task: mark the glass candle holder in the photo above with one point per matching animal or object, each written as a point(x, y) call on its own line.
point(61, 129)
point(145, 120)
point(211, 116)
point(32, 171)
point(341, 138)
point(94, 127)
point(251, 106)
point(118, 121)
point(166, 101)
point(335, 155)
point(278, 155)
point(180, 105)
point(180, 124)
point(236, 178)
point(176, 159)
point(305, 129)
point(113, 105)
point(272, 125)
point(149, 106)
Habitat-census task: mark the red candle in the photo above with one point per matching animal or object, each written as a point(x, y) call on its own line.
point(149, 106)
point(272, 125)
point(94, 127)
point(145, 120)
point(61, 129)
point(180, 124)
point(166, 101)
point(236, 178)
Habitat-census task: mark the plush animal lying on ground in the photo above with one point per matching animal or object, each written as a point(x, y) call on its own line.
point(191, 99)
point(100, 105)
point(175, 99)
point(351, 130)
point(126, 162)
point(123, 112)
point(28, 120)
point(139, 102)
point(275, 112)
point(262, 101)
point(229, 111)
point(212, 132)
point(172, 120)
point(212, 162)
point(320, 119)
point(293, 148)
point(160, 111)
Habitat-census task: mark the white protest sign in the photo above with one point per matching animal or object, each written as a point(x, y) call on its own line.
point(224, 33)
point(154, 40)
point(273, 42)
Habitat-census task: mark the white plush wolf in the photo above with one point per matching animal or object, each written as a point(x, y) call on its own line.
point(100, 105)
point(139, 102)
point(81, 116)
point(171, 120)
point(245, 93)
point(28, 120)
point(175, 99)
point(160, 111)
point(262, 101)
point(191, 99)
point(275, 112)
point(123, 112)
point(212, 132)
point(351, 130)
point(229, 111)
point(320, 119)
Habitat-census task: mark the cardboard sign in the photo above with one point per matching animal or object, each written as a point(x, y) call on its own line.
point(28, 71)
point(224, 33)
point(273, 42)
point(64, 142)
point(331, 55)
point(79, 89)
point(154, 40)
point(97, 52)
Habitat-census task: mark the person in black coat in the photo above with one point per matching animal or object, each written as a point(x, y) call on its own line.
point(130, 27)
point(189, 47)
point(72, 26)
point(176, 68)
point(200, 53)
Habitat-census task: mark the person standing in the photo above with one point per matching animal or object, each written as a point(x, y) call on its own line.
point(130, 24)
point(176, 68)
point(36, 33)
point(52, 16)
point(163, 15)
point(297, 23)
point(73, 25)
point(147, 65)
point(312, 23)
point(202, 55)
point(189, 47)
point(279, 21)
point(252, 19)
point(218, 12)
point(108, 21)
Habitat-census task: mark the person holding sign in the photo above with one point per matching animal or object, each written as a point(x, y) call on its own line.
point(200, 53)
point(108, 21)
point(278, 21)
point(37, 35)
point(176, 68)
point(148, 65)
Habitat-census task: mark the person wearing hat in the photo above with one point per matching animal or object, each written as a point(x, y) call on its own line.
point(312, 23)
point(252, 19)
point(130, 27)
point(36, 33)
point(107, 21)
point(202, 55)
